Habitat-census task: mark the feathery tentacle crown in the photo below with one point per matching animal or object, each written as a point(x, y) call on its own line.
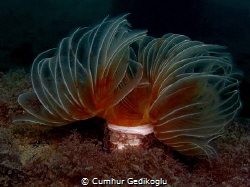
point(184, 91)
point(90, 71)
